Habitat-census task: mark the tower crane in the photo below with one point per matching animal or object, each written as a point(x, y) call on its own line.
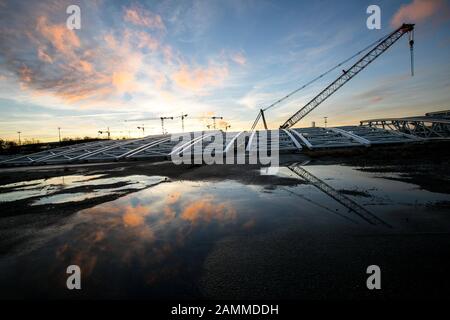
point(143, 129)
point(155, 118)
point(108, 132)
point(214, 120)
point(353, 71)
point(162, 123)
point(182, 117)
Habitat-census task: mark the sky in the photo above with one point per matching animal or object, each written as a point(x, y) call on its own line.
point(147, 59)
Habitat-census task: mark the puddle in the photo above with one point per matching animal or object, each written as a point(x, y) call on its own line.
point(72, 197)
point(46, 188)
point(55, 181)
point(155, 242)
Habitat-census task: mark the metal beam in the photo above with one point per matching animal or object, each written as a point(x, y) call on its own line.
point(192, 143)
point(250, 140)
point(118, 144)
point(302, 138)
point(299, 147)
point(230, 144)
point(143, 148)
point(353, 136)
point(415, 126)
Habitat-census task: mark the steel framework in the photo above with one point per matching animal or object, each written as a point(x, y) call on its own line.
point(424, 127)
point(163, 146)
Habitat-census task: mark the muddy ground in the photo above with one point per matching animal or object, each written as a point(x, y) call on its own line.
point(285, 263)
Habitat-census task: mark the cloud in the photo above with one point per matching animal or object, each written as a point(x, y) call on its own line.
point(26, 74)
point(99, 67)
point(191, 20)
point(145, 40)
point(198, 78)
point(75, 72)
point(123, 80)
point(130, 64)
point(205, 210)
point(64, 40)
point(173, 197)
point(49, 58)
point(254, 99)
point(142, 17)
point(133, 219)
point(239, 58)
point(416, 11)
point(43, 55)
point(223, 124)
point(135, 216)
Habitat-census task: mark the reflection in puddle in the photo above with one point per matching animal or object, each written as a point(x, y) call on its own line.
point(40, 187)
point(153, 243)
point(55, 181)
point(72, 197)
point(336, 195)
point(46, 188)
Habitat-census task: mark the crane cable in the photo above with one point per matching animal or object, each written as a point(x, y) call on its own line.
point(256, 121)
point(321, 76)
point(411, 50)
point(325, 73)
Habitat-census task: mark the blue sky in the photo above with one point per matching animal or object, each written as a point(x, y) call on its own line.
point(134, 59)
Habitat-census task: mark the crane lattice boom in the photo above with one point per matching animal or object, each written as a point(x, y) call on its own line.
point(349, 74)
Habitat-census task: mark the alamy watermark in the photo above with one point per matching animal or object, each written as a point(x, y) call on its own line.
point(74, 19)
point(374, 20)
point(374, 280)
point(74, 280)
point(218, 147)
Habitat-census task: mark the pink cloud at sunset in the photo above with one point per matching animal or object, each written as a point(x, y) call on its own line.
point(144, 18)
point(198, 78)
point(417, 11)
point(137, 59)
point(205, 210)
